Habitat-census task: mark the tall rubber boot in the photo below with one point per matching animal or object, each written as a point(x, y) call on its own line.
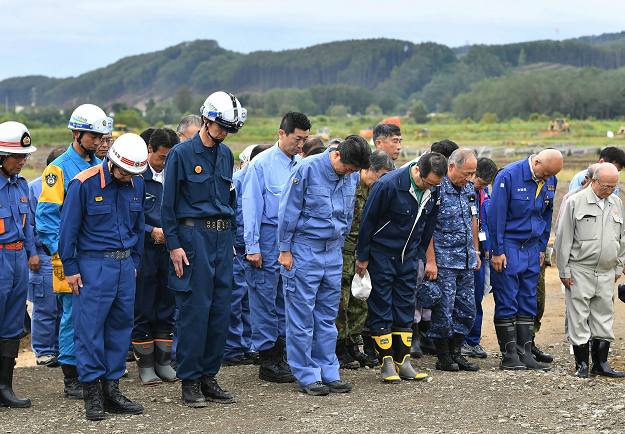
point(599, 350)
point(10, 349)
point(444, 362)
point(426, 344)
point(162, 356)
point(524, 330)
point(383, 344)
point(415, 348)
point(581, 360)
point(144, 354)
point(457, 357)
point(72, 387)
point(402, 340)
point(505, 327)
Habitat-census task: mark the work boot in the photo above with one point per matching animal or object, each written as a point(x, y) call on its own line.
point(368, 348)
point(458, 358)
point(475, 351)
point(345, 360)
point(144, 354)
point(8, 354)
point(506, 336)
point(401, 355)
point(383, 342)
point(427, 346)
point(315, 389)
point(599, 350)
point(94, 401)
point(273, 368)
point(162, 357)
point(115, 402)
point(73, 389)
point(415, 348)
point(360, 357)
point(581, 360)
point(241, 360)
point(524, 329)
point(539, 355)
point(338, 386)
point(212, 391)
point(192, 393)
point(444, 362)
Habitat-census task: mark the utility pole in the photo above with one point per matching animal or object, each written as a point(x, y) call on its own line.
point(34, 96)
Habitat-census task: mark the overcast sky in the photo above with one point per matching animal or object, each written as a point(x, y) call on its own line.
point(62, 38)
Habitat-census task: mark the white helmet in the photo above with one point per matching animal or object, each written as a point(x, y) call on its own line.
point(129, 153)
point(247, 152)
point(224, 109)
point(15, 139)
point(89, 117)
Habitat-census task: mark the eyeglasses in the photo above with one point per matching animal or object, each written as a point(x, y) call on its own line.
point(607, 187)
point(123, 173)
point(19, 156)
point(108, 140)
point(425, 183)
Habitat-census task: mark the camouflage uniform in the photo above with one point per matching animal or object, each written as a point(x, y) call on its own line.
point(540, 296)
point(455, 258)
point(352, 311)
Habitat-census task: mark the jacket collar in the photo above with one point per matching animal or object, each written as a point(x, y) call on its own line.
point(332, 175)
point(404, 179)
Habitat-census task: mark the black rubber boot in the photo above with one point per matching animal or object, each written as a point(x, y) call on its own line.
point(8, 354)
point(539, 355)
point(345, 359)
point(524, 329)
point(94, 401)
point(273, 368)
point(444, 362)
point(115, 402)
point(360, 357)
point(401, 355)
point(505, 327)
point(581, 360)
point(383, 342)
point(73, 389)
point(162, 357)
point(212, 392)
point(368, 348)
point(415, 348)
point(192, 393)
point(144, 355)
point(599, 350)
point(427, 346)
point(458, 358)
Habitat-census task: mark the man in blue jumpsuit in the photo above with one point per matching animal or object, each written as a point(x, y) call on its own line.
point(16, 245)
point(316, 211)
point(47, 308)
point(451, 261)
point(262, 187)
point(100, 244)
point(519, 223)
point(199, 223)
point(152, 333)
point(395, 231)
point(89, 124)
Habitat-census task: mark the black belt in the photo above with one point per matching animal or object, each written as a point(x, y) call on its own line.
point(111, 254)
point(218, 225)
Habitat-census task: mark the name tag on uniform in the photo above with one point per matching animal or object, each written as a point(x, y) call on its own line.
point(481, 235)
point(24, 199)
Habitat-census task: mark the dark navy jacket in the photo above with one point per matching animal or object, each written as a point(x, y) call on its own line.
point(153, 199)
point(389, 219)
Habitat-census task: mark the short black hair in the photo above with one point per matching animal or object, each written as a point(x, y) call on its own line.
point(173, 137)
point(162, 137)
point(56, 153)
point(433, 162)
point(486, 169)
point(311, 143)
point(146, 135)
point(293, 120)
point(258, 149)
point(355, 151)
point(316, 151)
point(382, 131)
point(445, 147)
point(612, 154)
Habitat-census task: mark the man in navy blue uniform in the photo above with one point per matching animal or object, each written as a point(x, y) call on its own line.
point(16, 245)
point(152, 333)
point(199, 224)
point(519, 224)
point(100, 244)
point(395, 231)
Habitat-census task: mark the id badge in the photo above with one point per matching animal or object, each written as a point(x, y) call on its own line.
point(473, 210)
point(481, 236)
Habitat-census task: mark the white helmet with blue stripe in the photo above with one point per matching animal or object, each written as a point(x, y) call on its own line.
point(224, 109)
point(89, 117)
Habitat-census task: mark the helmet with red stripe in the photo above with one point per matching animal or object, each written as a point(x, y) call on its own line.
point(15, 139)
point(129, 153)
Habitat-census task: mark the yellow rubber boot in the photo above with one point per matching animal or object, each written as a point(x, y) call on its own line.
point(383, 342)
point(402, 340)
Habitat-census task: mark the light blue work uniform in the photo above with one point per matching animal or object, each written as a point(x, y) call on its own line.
point(316, 212)
point(266, 177)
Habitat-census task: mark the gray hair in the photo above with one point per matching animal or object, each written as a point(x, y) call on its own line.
point(187, 121)
point(380, 160)
point(335, 141)
point(590, 173)
point(460, 156)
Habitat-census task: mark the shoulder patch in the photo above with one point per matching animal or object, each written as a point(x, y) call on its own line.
point(51, 179)
point(551, 187)
point(295, 180)
point(88, 173)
